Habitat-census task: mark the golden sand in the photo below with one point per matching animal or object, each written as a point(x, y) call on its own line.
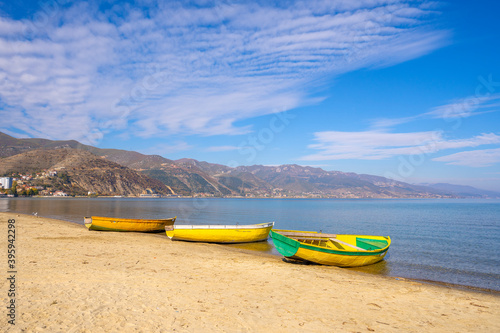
point(70, 279)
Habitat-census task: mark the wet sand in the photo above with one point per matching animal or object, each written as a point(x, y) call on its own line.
point(70, 279)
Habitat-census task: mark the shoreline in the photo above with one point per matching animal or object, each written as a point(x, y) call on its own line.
point(431, 282)
point(272, 255)
point(71, 279)
point(237, 197)
point(452, 285)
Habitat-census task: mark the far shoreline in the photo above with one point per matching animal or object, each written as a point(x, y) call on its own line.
point(235, 197)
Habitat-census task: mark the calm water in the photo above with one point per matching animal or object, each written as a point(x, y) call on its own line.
point(451, 241)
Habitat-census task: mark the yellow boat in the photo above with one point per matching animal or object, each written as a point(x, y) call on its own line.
point(331, 249)
point(220, 233)
point(119, 224)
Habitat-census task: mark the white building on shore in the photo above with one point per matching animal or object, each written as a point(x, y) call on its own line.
point(5, 182)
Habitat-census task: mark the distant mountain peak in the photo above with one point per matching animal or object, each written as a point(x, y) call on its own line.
point(188, 176)
point(464, 190)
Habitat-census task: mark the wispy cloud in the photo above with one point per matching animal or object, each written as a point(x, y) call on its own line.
point(221, 148)
point(466, 107)
point(460, 108)
point(379, 145)
point(474, 158)
point(177, 68)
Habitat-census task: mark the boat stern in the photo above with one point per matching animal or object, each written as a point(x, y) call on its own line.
point(169, 229)
point(87, 221)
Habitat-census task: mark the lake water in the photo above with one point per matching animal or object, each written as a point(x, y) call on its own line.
point(450, 241)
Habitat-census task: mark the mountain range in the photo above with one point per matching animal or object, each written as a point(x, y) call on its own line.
point(122, 172)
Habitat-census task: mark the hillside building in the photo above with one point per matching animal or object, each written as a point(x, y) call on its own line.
point(5, 182)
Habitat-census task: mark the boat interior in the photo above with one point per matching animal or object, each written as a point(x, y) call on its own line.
point(333, 242)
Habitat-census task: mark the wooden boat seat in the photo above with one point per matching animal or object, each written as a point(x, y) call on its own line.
point(334, 240)
point(310, 238)
point(347, 244)
point(307, 234)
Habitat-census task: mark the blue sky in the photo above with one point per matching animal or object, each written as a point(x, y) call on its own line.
point(408, 90)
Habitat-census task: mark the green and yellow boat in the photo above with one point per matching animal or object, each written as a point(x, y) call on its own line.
point(119, 224)
point(331, 249)
point(213, 233)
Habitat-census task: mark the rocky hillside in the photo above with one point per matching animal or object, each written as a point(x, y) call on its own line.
point(10, 146)
point(80, 172)
point(192, 177)
point(296, 179)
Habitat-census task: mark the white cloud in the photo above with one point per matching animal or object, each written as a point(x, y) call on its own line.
point(465, 107)
point(192, 70)
point(474, 158)
point(460, 108)
point(221, 148)
point(379, 145)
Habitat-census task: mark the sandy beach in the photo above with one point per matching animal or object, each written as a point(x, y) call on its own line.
point(69, 279)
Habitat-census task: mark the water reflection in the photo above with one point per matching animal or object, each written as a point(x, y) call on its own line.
point(381, 268)
point(4, 205)
point(264, 246)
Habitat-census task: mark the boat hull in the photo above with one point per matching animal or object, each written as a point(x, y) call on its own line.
point(220, 233)
point(134, 225)
point(341, 250)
